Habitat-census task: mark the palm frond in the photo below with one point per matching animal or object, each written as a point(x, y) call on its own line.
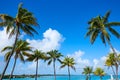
point(26, 53)
point(112, 24)
point(62, 66)
point(49, 62)
point(7, 55)
point(31, 29)
point(103, 38)
point(93, 36)
point(73, 67)
point(21, 57)
point(114, 32)
point(12, 33)
point(30, 58)
point(105, 18)
point(6, 48)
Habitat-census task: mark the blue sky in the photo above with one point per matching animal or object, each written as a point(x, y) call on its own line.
point(69, 18)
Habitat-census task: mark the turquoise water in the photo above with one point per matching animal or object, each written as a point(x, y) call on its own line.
point(80, 77)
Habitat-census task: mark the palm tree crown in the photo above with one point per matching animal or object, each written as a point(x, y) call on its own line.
point(21, 49)
point(99, 26)
point(113, 60)
point(35, 57)
point(99, 72)
point(87, 71)
point(69, 62)
point(53, 55)
point(24, 21)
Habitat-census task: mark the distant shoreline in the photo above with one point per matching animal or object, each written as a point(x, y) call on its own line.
point(33, 75)
point(40, 75)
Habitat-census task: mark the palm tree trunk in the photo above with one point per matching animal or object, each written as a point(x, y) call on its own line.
point(116, 72)
point(36, 70)
point(69, 72)
point(100, 77)
point(116, 57)
point(13, 69)
point(54, 69)
point(89, 77)
point(111, 47)
point(113, 70)
point(7, 63)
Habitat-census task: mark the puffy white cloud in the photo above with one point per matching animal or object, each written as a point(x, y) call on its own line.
point(78, 58)
point(80, 62)
point(99, 62)
point(4, 40)
point(51, 40)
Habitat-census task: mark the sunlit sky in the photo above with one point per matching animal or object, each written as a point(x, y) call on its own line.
point(63, 24)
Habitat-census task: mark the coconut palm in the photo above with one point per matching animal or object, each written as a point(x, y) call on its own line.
point(111, 61)
point(99, 72)
point(22, 47)
point(35, 57)
point(53, 55)
point(23, 21)
point(87, 71)
point(99, 26)
point(69, 62)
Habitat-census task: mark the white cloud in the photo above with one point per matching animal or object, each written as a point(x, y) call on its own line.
point(78, 58)
point(99, 62)
point(4, 41)
point(80, 62)
point(51, 40)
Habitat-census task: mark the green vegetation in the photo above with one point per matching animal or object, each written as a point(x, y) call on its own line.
point(99, 72)
point(23, 21)
point(52, 57)
point(69, 62)
point(35, 57)
point(87, 71)
point(113, 60)
point(99, 26)
point(20, 50)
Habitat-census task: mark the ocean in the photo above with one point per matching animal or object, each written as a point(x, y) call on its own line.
point(75, 77)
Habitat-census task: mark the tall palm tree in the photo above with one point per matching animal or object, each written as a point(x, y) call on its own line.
point(23, 21)
point(99, 26)
point(111, 61)
point(99, 72)
point(35, 57)
point(87, 71)
point(69, 62)
point(22, 47)
point(53, 55)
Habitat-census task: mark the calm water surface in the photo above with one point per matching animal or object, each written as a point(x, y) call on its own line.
point(80, 77)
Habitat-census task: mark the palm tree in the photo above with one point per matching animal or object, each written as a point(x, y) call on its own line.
point(111, 61)
point(87, 71)
point(99, 72)
point(69, 62)
point(99, 26)
point(21, 49)
point(35, 57)
point(23, 21)
point(53, 55)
